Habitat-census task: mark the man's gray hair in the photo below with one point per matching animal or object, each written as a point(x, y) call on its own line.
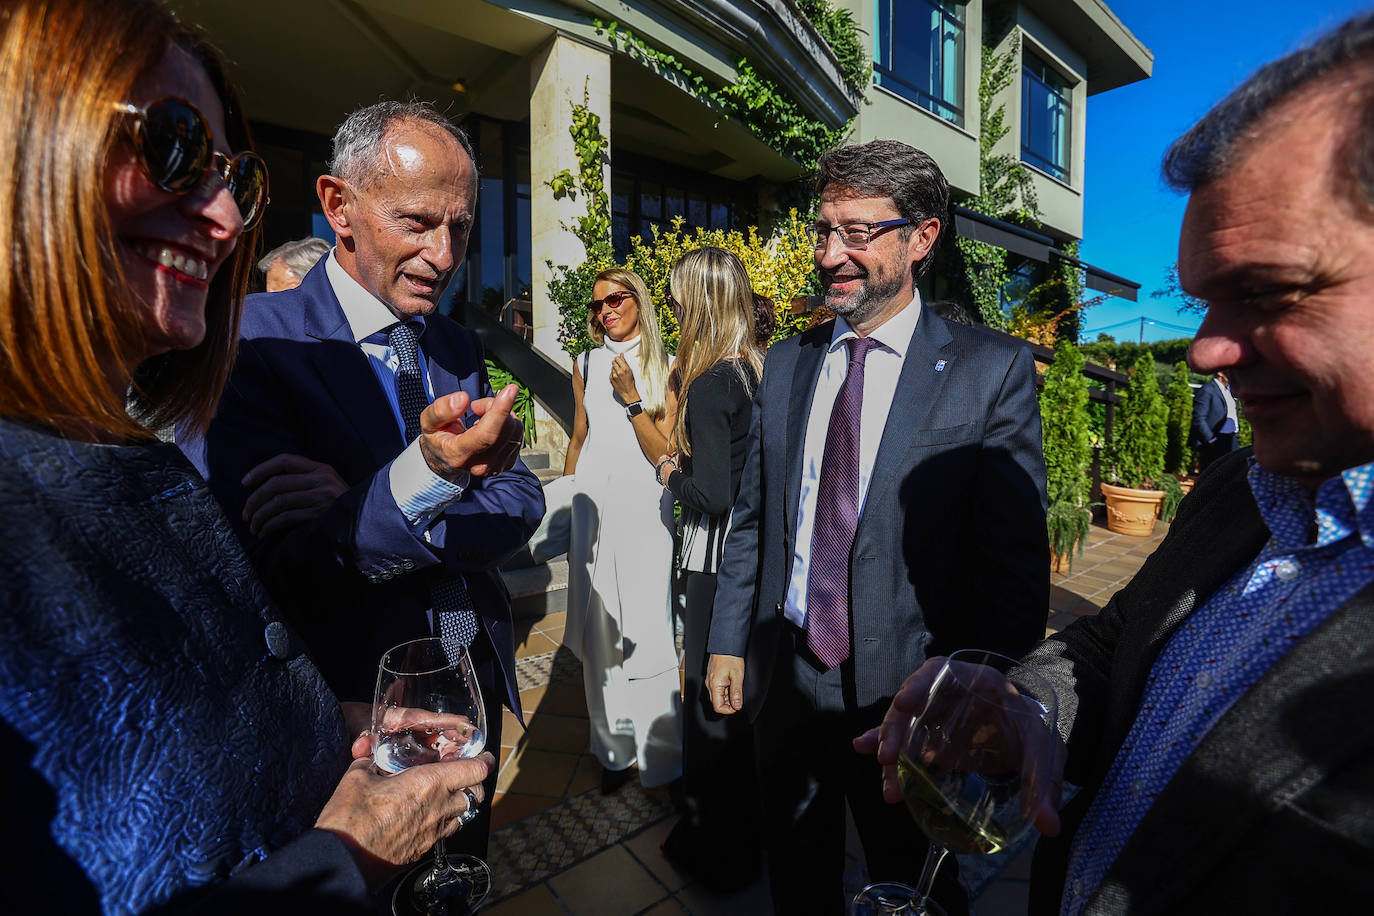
point(1211, 147)
point(298, 256)
point(357, 150)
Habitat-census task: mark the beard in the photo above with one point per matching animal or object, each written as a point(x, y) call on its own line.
point(871, 297)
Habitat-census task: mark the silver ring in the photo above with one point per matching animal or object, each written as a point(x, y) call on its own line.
point(470, 815)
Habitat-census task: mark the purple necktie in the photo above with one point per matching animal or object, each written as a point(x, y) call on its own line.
point(837, 517)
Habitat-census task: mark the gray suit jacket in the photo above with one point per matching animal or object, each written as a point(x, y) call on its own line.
point(951, 549)
point(1274, 810)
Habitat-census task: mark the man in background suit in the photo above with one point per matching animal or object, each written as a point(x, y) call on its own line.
point(1216, 712)
point(892, 505)
point(1215, 422)
point(358, 440)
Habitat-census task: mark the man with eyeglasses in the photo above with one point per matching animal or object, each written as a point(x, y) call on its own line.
point(375, 477)
point(892, 507)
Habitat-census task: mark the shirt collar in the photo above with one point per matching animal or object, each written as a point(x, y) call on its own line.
point(893, 334)
point(1343, 506)
point(365, 313)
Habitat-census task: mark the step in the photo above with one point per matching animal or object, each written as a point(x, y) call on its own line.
point(537, 591)
point(536, 459)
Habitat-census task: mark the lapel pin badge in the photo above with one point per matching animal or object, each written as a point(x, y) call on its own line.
point(940, 366)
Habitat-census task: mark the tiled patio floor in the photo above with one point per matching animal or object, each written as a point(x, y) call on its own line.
point(560, 847)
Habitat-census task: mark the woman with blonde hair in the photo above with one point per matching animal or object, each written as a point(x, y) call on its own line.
point(719, 362)
point(169, 743)
point(621, 539)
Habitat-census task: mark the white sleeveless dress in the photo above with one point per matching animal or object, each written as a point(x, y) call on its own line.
point(619, 586)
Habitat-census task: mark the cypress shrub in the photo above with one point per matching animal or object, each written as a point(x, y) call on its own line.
point(1178, 457)
point(1135, 456)
point(1068, 450)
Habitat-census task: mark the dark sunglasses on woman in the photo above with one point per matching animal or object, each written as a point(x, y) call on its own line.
point(611, 299)
point(177, 152)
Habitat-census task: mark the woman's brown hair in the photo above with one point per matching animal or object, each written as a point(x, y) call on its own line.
point(67, 318)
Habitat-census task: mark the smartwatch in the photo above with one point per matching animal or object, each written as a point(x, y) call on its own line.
point(633, 409)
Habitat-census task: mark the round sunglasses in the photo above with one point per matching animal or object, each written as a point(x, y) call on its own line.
point(612, 299)
point(177, 152)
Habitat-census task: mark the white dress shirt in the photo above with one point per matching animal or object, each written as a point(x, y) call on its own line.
point(419, 493)
point(882, 369)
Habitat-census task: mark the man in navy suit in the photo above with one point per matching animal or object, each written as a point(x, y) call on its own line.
point(1215, 422)
point(371, 527)
point(892, 506)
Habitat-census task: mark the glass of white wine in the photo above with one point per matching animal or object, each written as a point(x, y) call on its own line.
point(975, 766)
point(428, 708)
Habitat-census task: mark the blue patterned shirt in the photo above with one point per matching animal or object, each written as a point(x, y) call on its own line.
point(1319, 555)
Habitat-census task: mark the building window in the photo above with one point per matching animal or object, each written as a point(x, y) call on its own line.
point(648, 193)
point(919, 54)
point(1046, 117)
point(1023, 277)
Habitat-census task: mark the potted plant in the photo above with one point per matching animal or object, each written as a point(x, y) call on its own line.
point(1134, 460)
point(1068, 454)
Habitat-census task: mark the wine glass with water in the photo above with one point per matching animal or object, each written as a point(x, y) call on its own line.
point(975, 765)
point(428, 708)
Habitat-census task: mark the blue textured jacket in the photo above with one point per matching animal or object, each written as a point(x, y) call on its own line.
point(165, 732)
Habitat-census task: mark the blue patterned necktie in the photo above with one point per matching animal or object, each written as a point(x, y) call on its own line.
point(452, 604)
point(837, 517)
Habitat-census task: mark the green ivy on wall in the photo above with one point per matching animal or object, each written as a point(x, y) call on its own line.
point(1005, 190)
point(753, 100)
point(836, 26)
point(571, 287)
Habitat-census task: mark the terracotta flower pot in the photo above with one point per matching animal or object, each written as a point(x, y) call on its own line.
point(1131, 511)
point(1059, 562)
point(1187, 484)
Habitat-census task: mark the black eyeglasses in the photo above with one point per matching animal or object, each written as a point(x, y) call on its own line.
point(854, 235)
point(177, 152)
point(612, 299)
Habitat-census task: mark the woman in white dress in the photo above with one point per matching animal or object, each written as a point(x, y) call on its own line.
point(620, 621)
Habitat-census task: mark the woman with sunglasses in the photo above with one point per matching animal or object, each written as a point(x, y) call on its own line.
point(168, 744)
point(719, 361)
point(620, 544)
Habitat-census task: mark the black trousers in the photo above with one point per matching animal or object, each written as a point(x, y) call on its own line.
point(808, 770)
point(1220, 447)
point(718, 774)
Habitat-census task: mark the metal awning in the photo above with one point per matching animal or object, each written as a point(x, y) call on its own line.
point(1018, 240)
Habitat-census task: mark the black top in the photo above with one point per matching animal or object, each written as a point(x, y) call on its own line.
point(717, 425)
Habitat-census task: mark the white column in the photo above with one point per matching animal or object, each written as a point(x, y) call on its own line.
point(562, 74)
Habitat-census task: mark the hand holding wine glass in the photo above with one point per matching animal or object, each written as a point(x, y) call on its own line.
point(428, 709)
point(977, 760)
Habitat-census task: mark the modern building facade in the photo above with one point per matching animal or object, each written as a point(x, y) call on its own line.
point(655, 72)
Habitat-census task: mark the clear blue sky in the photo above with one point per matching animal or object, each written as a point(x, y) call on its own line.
point(1202, 51)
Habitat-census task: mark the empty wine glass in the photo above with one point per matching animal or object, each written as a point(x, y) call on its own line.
point(428, 708)
point(975, 765)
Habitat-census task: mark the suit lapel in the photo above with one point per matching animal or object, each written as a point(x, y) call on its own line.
point(1283, 735)
point(442, 358)
point(811, 350)
point(918, 390)
point(344, 369)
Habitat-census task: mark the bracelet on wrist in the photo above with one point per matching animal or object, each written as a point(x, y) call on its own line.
point(658, 470)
